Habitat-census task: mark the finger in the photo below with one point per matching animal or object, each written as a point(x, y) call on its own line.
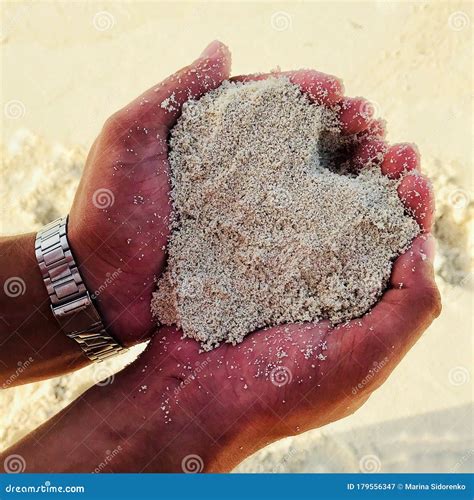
point(355, 115)
point(371, 347)
point(399, 159)
point(369, 153)
point(417, 195)
point(158, 108)
point(412, 302)
point(319, 87)
point(376, 129)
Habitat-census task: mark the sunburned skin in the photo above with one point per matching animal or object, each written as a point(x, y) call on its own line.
point(279, 217)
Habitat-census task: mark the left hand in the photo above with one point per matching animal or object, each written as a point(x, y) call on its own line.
point(118, 224)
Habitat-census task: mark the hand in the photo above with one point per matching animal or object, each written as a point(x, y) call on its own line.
point(226, 404)
point(176, 409)
point(118, 224)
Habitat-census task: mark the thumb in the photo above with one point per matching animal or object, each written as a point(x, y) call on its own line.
point(405, 311)
point(411, 303)
point(160, 106)
point(371, 347)
point(133, 143)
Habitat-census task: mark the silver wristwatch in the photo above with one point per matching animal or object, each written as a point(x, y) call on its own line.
point(70, 301)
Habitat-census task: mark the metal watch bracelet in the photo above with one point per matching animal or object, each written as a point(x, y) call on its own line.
point(71, 303)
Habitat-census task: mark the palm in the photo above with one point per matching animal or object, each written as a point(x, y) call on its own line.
point(119, 222)
point(288, 379)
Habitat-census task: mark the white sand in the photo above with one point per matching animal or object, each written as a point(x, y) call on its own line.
point(391, 52)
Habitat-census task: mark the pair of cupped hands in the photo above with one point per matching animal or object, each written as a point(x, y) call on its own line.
point(244, 396)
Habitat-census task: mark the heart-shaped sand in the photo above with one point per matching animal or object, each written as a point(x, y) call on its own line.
point(270, 227)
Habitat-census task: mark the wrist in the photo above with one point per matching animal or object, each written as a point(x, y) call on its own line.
point(171, 428)
point(112, 288)
point(70, 300)
point(30, 335)
point(93, 271)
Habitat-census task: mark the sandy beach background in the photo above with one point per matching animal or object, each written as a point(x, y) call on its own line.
point(67, 66)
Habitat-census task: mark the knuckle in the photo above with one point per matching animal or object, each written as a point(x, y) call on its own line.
point(116, 125)
point(432, 300)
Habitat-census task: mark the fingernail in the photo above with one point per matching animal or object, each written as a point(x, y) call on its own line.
point(428, 247)
point(210, 49)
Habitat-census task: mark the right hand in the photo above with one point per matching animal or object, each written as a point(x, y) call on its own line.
point(237, 399)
